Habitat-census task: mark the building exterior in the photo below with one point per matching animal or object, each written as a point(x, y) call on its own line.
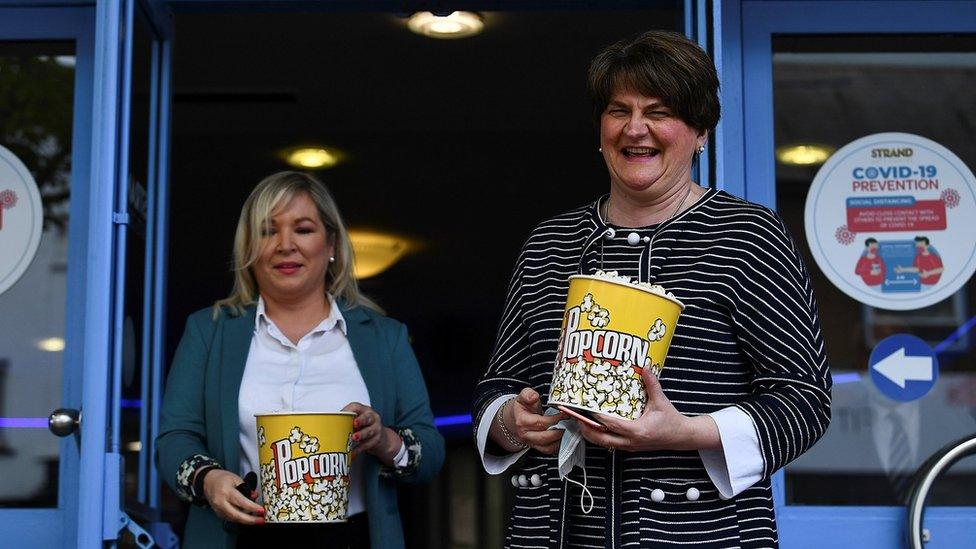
point(83, 318)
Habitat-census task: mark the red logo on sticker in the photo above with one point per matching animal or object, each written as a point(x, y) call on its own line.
point(8, 199)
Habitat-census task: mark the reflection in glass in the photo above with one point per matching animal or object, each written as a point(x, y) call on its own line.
point(833, 90)
point(36, 94)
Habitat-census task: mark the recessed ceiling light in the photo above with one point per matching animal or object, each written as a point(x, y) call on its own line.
point(312, 158)
point(376, 252)
point(809, 154)
point(51, 344)
point(459, 24)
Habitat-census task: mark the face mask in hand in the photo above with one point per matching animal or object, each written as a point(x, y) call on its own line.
point(572, 452)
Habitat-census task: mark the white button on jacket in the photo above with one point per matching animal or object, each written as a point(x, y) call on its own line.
point(692, 494)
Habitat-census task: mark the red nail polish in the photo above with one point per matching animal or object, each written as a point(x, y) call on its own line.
point(260, 521)
point(355, 436)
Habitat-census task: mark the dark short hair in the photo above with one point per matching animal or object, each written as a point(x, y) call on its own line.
point(661, 64)
point(870, 241)
point(924, 239)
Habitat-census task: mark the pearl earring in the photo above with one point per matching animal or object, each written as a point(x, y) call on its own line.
point(600, 149)
point(701, 149)
point(331, 259)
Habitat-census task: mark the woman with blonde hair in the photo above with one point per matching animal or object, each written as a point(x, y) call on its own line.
point(295, 335)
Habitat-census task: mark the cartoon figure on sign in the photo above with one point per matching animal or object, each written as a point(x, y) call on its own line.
point(870, 267)
point(8, 199)
point(928, 263)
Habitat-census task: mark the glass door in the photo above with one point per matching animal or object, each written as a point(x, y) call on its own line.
point(83, 104)
point(874, 102)
point(46, 67)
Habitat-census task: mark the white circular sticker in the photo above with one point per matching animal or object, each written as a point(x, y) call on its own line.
point(890, 221)
point(21, 219)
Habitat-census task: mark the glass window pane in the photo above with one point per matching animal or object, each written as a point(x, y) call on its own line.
point(832, 90)
point(36, 108)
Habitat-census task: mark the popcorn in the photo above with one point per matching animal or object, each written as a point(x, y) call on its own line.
point(321, 499)
point(261, 437)
point(598, 317)
point(613, 275)
point(296, 434)
point(657, 331)
point(599, 385)
point(309, 445)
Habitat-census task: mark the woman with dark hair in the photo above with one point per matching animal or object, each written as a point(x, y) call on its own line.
point(745, 389)
point(295, 335)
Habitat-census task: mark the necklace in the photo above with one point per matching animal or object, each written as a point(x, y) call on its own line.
point(673, 212)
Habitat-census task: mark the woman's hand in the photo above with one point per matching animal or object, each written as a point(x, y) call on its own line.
point(220, 489)
point(660, 427)
point(524, 419)
point(370, 436)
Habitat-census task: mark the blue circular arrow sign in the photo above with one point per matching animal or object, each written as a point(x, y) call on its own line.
point(903, 367)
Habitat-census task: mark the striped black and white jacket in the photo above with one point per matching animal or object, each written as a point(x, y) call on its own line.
point(749, 337)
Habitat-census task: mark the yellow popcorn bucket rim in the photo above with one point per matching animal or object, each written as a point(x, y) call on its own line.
point(628, 285)
point(271, 414)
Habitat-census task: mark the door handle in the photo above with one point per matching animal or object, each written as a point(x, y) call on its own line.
point(64, 421)
point(926, 476)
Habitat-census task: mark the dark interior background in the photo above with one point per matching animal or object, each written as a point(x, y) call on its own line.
point(462, 145)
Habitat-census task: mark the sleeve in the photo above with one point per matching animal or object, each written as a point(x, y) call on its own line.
point(738, 464)
point(413, 421)
point(510, 357)
point(493, 464)
point(181, 444)
point(776, 321)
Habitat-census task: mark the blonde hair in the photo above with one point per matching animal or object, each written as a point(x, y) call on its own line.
point(271, 193)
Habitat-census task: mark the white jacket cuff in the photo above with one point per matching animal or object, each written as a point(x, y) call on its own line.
point(494, 465)
point(738, 464)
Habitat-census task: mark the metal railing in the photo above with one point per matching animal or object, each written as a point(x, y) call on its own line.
point(927, 474)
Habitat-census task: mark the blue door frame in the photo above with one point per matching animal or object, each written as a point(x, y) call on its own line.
point(58, 527)
point(90, 507)
point(743, 31)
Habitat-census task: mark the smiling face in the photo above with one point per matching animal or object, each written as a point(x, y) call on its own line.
point(647, 149)
point(294, 254)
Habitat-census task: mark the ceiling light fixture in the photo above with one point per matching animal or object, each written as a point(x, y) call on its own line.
point(459, 24)
point(51, 344)
point(376, 252)
point(809, 154)
point(312, 158)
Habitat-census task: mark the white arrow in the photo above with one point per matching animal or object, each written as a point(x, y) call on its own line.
point(900, 368)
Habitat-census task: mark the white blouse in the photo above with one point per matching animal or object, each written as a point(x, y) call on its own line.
point(319, 374)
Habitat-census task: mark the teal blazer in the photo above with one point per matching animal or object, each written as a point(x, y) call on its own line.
point(200, 411)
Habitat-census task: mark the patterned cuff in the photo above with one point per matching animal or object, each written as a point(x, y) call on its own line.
point(184, 477)
point(414, 448)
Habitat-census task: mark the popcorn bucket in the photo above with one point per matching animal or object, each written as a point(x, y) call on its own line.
point(612, 330)
point(304, 462)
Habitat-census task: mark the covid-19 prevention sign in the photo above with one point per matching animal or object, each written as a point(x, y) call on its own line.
point(891, 221)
